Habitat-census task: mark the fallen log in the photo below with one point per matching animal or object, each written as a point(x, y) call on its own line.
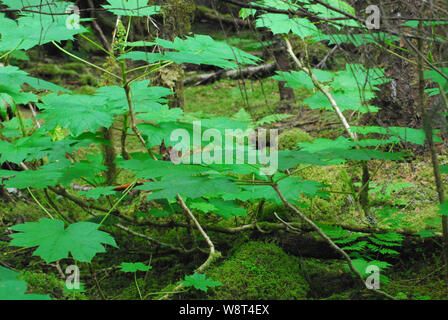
point(249, 72)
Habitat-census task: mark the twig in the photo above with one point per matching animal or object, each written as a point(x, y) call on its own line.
point(162, 244)
point(33, 112)
point(97, 284)
point(328, 240)
point(324, 60)
point(288, 225)
point(98, 28)
point(213, 255)
point(319, 86)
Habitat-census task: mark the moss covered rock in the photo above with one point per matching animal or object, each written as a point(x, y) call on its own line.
point(257, 271)
point(289, 139)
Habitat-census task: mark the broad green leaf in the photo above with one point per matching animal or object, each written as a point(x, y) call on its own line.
point(202, 49)
point(98, 192)
point(134, 267)
point(200, 281)
point(444, 169)
point(60, 172)
point(443, 208)
point(16, 290)
point(244, 13)
point(82, 239)
point(78, 113)
point(134, 8)
point(146, 168)
point(192, 187)
point(283, 24)
point(145, 98)
point(227, 209)
point(33, 29)
point(163, 114)
point(11, 288)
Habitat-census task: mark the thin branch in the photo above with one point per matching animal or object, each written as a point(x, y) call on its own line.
point(319, 86)
point(196, 222)
point(328, 240)
point(150, 239)
point(213, 255)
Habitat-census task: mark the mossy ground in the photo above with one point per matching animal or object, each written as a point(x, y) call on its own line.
point(250, 270)
point(260, 271)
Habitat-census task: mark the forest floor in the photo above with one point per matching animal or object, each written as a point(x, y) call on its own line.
point(255, 265)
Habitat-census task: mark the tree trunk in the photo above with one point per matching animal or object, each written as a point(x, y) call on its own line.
point(177, 18)
point(286, 94)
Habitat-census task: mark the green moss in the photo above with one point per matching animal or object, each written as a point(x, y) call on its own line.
point(327, 278)
point(89, 90)
point(259, 270)
point(269, 208)
point(43, 283)
point(421, 278)
point(339, 207)
point(226, 97)
point(289, 139)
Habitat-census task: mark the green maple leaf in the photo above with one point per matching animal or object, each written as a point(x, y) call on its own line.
point(60, 172)
point(23, 148)
point(299, 79)
point(150, 57)
point(162, 114)
point(225, 209)
point(82, 239)
point(98, 192)
point(444, 169)
point(7, 274)
point(278, 4)
point(290, 187)
point(146, 168)
point(12, 80)
point(443, 208)
point(438, 78)
point(282, 23)
point(11, 288)
point(78, 113)
point(416, 136)
point(200, 282)
point(288, 159)
point(134, 8)
point(48, 175)
point(361, 266)
point(16, 290)
point(327, 13)
point(202, 49)
point(144, 97)
point(244, 13)
point(192, 187)
point(201, 205)
point(134, 267)
point(33, 29)
point(71, 291)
